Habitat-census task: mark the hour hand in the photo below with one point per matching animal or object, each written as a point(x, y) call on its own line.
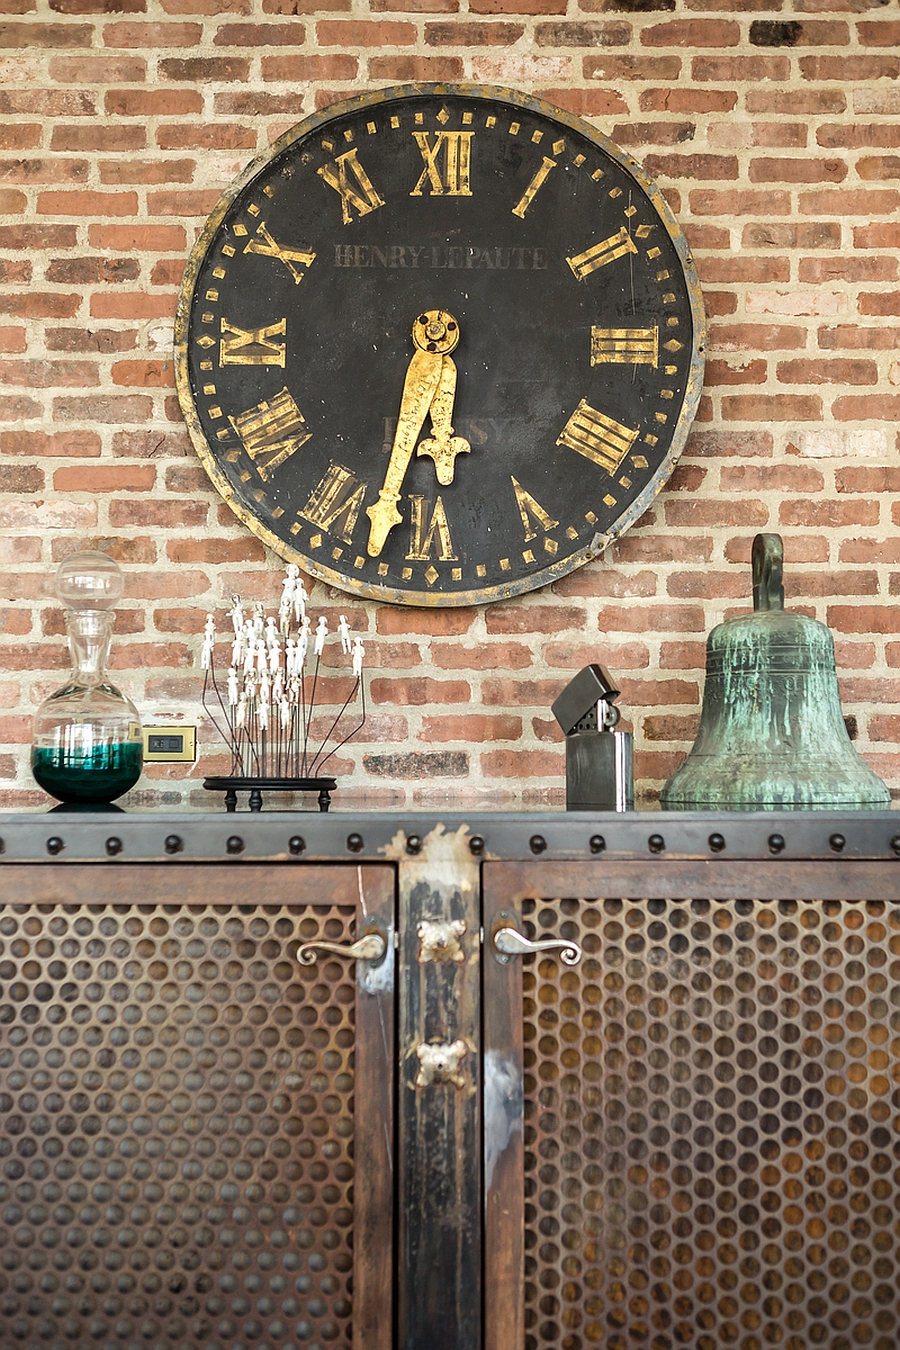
point(442, 445)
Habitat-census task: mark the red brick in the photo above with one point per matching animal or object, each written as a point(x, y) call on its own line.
point(744, 271)
point(517, 6)
point(785, 234)
point(687, 100)
point(167, 272)
point(881, 234)
point(432, 622)
point(828, 584)
point(113, 171)
point(801, 478)
point(154, 445)
point(505, 692)
point(87, 203)
point(215, 136)
point(599, 580)
point(705, 514)
point(495, 656)
point(364, 33)
point(885, 407)
point(739, 202)
point(670, 727)
point(418, 691)
point(575, 654)
point(533, 619)
point(40, 305)
point(849, 203)
point(736, 70)
point(654, 133)
point(841, 372)
point(858, 136)
point(868, 478)
point(12, 339)
point(132, 305)
point(619, 69)
point(847, 269)
point(20, 136)
point(869, 550)
point(105, 478)
point(864, 618)
point(414, 6)
point(851, 337)
point(884, 727)
point(775, 170)
point(416, 68)
point(206, 550)
point(653, 693)
point(162, 515)
point(15, 272)
point(828, 515)
point(152, 102)
point(86, 70)
point(148, 36)
point(771, 408)
point(850, 69)
point(90, 340)
point(30, 35)
point(651, 619)
point(458, 34)
point(49, 374)
point(878, 34)
point(586, 102)
point(205, 69)
point(803, 548)
point(181, 203)
point(471, 728)
point(12, 203)
point(723, 372)
point(755, 337)
point(144, 374)
point(682, 655)
point(47, 102)
point(309, 67)
point(692, 33)
point(522, 764)
point(105, 408)
point(643, 548)
point(139, 238)
point(18, 408)
point(258, 35)
point(147, 655)
point(34, 237)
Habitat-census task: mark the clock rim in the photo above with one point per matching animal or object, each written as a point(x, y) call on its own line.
point(435, 598)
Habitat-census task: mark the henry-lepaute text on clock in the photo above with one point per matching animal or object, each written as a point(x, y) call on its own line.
point(570, 334)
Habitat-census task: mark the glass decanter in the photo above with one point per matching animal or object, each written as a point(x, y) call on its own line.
point(87, 744)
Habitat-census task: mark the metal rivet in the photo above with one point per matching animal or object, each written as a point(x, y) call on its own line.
point(776, 843)
point(476, 844)
point(716, 843)
point(296, 844)
point(55, 844)
point(234, 844)
point(113, 846)
point(355, 843)
point(537, 843)
point(656, 843)
point(836, 842)
point(596, 843)
point(414, 844)
point(895, 844)
point(173, 843)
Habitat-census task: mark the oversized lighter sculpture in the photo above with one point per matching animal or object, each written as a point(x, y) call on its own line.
point(599, 760)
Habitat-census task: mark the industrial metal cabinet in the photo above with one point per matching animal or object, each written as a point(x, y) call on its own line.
point(689, 1137)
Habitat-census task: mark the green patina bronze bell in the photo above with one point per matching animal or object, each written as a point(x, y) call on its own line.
point(771, 735)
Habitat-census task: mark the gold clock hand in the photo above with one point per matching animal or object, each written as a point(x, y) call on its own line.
point(430, 385)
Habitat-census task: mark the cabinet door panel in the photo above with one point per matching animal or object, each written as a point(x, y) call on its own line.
point(196, 1131)
point(706, 1153)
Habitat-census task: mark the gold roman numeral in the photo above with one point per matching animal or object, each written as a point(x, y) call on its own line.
point(267, 246)
point(251, 346)
point(532, 512)
point(335, 503)
point(598, 437)
point(271, 431)
point(583, 264)
point(457, 148)
point(529, 194)
point(356, 192)
point(625, 346)
point(423, 533)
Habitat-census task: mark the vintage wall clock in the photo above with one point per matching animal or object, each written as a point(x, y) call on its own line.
point(441, 344)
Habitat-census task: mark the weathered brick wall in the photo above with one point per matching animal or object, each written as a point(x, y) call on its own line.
point(774, 129)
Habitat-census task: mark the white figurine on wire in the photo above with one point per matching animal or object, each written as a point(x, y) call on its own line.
point(359, 652)
point(209, 642)
point(321, 635)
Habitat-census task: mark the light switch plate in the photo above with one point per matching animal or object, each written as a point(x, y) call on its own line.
point(165, 744)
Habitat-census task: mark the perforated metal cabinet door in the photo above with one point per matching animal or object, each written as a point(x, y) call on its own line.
point(692, 1137)
point(196, 1132)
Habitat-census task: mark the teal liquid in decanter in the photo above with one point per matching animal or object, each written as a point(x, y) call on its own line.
point(87, 744)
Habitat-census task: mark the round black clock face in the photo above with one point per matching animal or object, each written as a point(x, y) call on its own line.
point(441, 345)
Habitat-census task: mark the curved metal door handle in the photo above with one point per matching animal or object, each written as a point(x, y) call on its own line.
point(510, 942)
point(370, 947)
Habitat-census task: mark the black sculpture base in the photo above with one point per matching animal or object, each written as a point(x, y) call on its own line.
point(256, 786)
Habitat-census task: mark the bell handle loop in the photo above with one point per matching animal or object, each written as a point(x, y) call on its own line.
point(768, 560)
